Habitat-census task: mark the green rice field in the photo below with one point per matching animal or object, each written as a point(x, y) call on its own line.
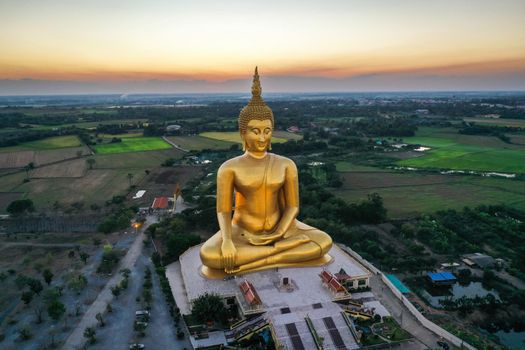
point(132, 144)
point(47, 143)
point(465, 152)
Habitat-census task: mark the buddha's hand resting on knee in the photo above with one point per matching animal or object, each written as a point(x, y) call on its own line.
point(229, 253)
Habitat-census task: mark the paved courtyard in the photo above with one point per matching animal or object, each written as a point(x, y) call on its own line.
point(286, 309)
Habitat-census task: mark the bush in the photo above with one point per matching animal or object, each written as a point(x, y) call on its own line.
point(20, 206)
point(90, 334)
point(176, 244)
point(109, 261)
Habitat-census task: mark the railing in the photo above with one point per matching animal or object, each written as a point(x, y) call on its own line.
point(317, 339)
point(350, 325)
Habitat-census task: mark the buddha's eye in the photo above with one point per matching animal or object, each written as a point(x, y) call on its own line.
point(267, 131)
point(256, 131)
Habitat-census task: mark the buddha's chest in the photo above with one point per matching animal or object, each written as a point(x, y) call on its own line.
point(254, 179)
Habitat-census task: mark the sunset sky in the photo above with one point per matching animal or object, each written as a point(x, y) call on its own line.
point(174, 46)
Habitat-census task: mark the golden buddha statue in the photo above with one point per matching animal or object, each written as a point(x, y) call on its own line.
point(264, 232)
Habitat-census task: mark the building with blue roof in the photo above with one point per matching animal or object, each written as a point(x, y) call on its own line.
point(441, 278)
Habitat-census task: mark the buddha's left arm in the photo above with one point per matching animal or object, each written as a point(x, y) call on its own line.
point(291, 198)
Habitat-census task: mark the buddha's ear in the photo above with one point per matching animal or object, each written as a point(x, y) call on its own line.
point(270, 146)
point(243, 141)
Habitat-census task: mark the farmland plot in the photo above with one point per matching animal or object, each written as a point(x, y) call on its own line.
point(19, 159)
point(10, 160)
point(73, 168)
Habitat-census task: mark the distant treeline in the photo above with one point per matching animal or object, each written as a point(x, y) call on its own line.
point(14, 138)
point(488, 130)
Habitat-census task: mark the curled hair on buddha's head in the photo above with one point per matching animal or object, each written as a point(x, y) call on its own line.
point(256, 108)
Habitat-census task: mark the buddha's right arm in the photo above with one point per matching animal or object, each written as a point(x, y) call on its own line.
point(225, 200)
point(225, 224)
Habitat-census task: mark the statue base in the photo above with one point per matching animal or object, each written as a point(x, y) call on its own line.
point(210, 273)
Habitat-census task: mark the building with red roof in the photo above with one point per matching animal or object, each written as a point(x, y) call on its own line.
point(160, 203)
point(250, 294)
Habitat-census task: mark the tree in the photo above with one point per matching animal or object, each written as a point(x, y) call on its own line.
point(51, 294)
point(48, 276)
point(56, 309)
point(30, 166)
point(27, 296)
point(176, 244)
point(90, 334)
point(90, 162)
point(25, 332)
point(84, 256)
point(38, 309)
point(100, 320)
point(77, 283)
point(35, 286)
point(208, 307)
point(115, 290)
point(20, 206)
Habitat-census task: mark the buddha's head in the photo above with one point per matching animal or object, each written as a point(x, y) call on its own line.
point(256, 121)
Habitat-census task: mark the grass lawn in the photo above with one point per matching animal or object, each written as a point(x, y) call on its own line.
point(233, 136)
point(391, 330)
point(47, 143)
point(132, 144)
point(465, 152)
point(407, 195)
point(199, 142)
point(344, 166)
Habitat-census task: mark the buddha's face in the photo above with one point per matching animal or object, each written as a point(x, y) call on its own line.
point(258, 135)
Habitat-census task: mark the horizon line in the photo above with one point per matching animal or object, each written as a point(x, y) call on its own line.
point(464, 91)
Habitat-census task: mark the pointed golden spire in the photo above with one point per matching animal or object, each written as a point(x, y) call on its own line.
point(256, 108)
point(256, 86)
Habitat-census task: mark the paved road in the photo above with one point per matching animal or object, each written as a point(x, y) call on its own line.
point(76, 338)
point(118, 333)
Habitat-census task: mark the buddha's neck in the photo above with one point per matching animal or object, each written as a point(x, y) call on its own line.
point(254, 155)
